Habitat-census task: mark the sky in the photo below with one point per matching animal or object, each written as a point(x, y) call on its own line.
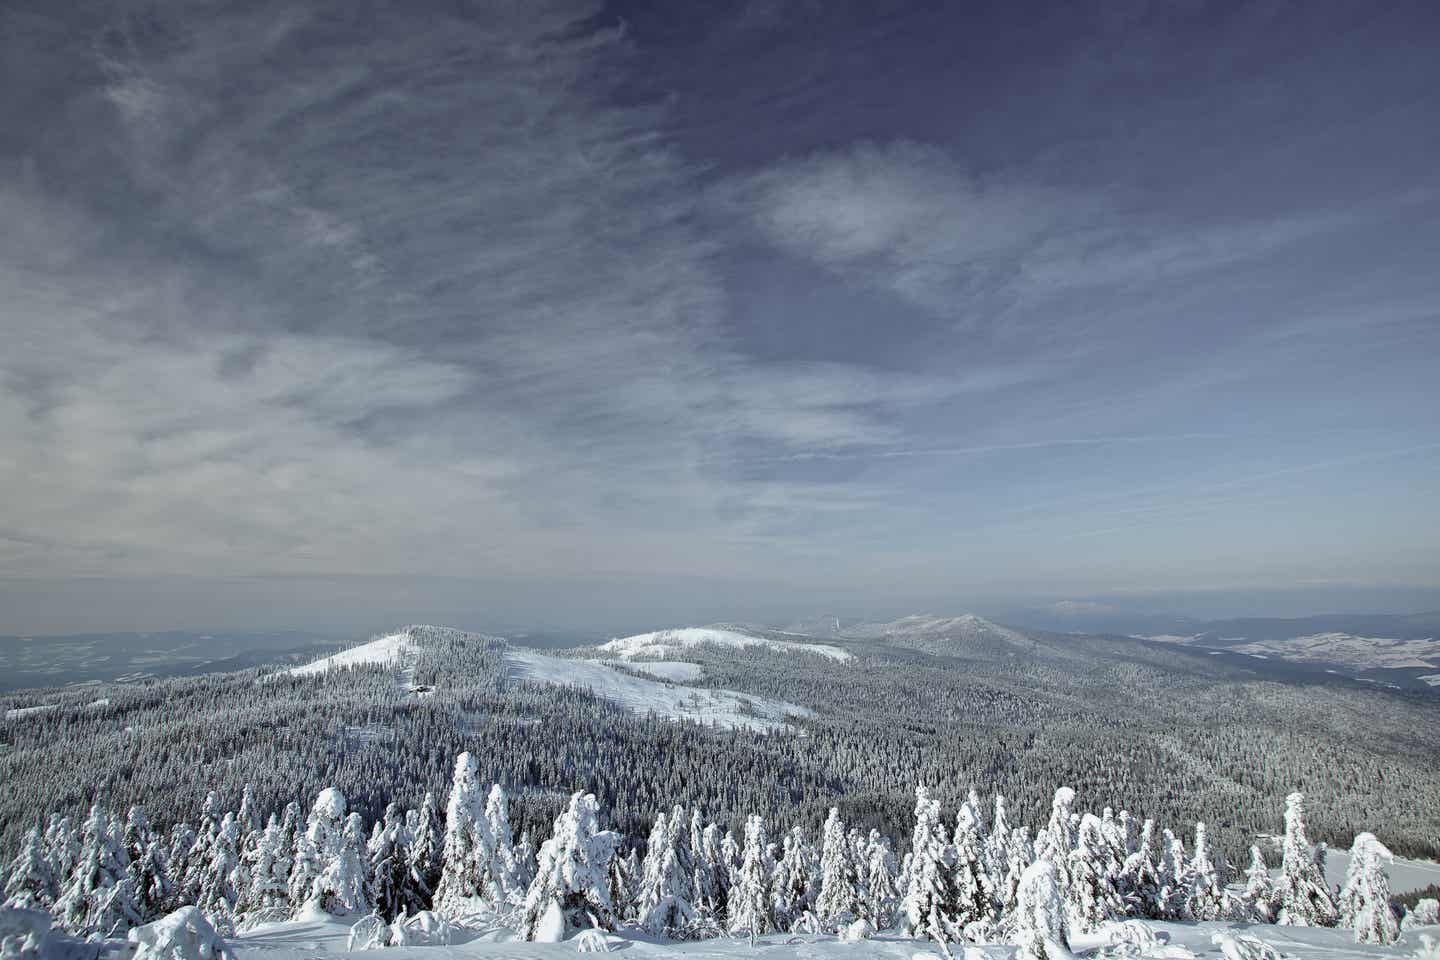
point(567, 312)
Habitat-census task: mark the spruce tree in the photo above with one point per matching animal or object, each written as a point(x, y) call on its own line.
point(749, 907)
point(1302, 896)
point(838, 903)
point(1365, 899)
point(571, 889)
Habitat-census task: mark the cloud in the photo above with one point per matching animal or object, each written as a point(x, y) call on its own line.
point(381, 292)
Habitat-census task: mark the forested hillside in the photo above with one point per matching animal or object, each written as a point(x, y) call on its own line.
point(1127, 725)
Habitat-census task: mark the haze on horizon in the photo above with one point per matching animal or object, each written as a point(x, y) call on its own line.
point(324, 313)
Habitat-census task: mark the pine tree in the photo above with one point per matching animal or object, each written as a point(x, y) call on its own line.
point(1039, 922)
point(1301, 893)
point(1365, 900)
point(1206, 898)
point(792, 884)
point(749, 906)
point(997, 848)
point(838, 903)
point(99, 897)
point(571, 890)
point(1019, 854)
point(30, 882)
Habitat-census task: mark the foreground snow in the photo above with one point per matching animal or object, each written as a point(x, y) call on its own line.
point(305, 940)
point(725, 708)
point(666, 643)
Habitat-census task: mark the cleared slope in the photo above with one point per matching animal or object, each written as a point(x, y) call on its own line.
point(725, 708)
point(667, 643)
point(392, 649)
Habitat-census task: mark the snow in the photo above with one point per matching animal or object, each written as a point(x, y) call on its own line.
point(396, 648)
point(676, 671)
point(664, 643)
point(309, 939)
point(1365, 653)
point(15, 713)
point(182, 935)
point(1405, 875)
point(1432, 678)
point(727, 708)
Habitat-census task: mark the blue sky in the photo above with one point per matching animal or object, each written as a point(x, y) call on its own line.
point(599, 308)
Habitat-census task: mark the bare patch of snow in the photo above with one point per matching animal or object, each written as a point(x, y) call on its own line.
point(15, 713)
point(676, 671)
point(389, 650)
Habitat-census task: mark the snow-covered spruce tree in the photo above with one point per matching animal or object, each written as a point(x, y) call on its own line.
point(1039, 920)
point(879, 894)
point(1365, 899)
point(502, 882)
point(997, 848)
point(1019, 854)
point(793, 883)
point(1302, 896)
point(137, 834)
point(525, 860)
point(61, 846)
point(622, 876)
point(197, 859)
point(712, 875)
point(749, 905)
point(340, 889)
point(838, 903)
point(571, 891)
point(664, 906)
point(423, 875)
point(1140, 877)
point(248, 818)
point(1091, 897)
point(973, 885)
point(1055, 842)
point(1206, 899)
point(99, 897)
point(268, 893)
point(388, 865)
point(1257, 902)
point(217, 896)
point(30, 882)
point(317, 847)
point(150, 880)
point(930, 894)
point(1174, 871)
point(469, 849)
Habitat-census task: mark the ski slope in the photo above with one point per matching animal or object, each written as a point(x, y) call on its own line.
point(667, 643)
point(725, 708)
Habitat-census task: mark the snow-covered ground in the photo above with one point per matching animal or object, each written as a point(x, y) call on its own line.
point(1364, 653)
point(311, 939)
point(666, 643)
point(676, 671)
point(15, 713)
point(391, 649)
point(726, 708)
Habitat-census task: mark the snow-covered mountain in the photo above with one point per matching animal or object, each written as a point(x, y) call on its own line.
point(663, 644)
point(965, 635)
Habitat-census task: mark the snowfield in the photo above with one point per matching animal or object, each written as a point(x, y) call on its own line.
point(676, 671)
point(666, 643)
point(309, 939)
point(391, 649)
point(16, 713)
point(725, 708)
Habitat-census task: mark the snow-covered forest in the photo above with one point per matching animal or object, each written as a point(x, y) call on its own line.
point(971, 876)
